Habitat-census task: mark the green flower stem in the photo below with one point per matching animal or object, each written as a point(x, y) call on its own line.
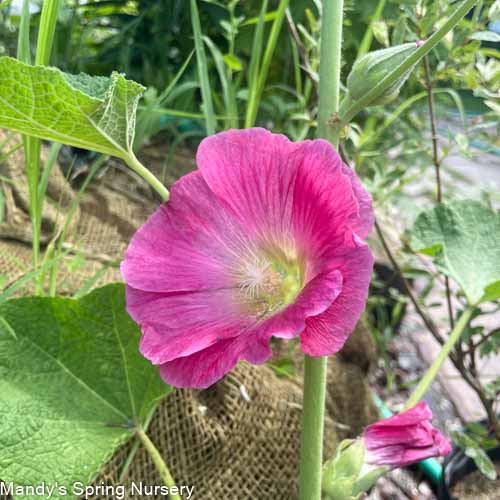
point(160, 464)
point(329, 70)
point(311, 453)
point(433, 370)
point(147, 175)
point(416, 56)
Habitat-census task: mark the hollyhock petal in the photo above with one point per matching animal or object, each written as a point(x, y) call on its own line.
point(384, 435)
point(251, 170)
point(362, 223)
point(404, 438)
point(326, 333)
point(280, 189)
point(175, 325)
point(189, 243)
point(325, 207)
point(419, 413)
point(202, 369)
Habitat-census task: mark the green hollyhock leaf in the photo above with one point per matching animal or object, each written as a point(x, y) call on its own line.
point(484, 464)
point(96, 113)
point(72, 386)
point(464, 239)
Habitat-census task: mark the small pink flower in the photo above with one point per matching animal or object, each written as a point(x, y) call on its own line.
point(265, 239)
point(404, 438)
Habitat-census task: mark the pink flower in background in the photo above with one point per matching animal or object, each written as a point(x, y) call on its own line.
point(404, 438)
point(265, 239)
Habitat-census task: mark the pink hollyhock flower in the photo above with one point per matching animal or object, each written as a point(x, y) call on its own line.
point(404, 438)
point(265, 239)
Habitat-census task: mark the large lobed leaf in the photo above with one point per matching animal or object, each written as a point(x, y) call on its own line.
point(96, 113)
point(72, 385)
point(464, 238)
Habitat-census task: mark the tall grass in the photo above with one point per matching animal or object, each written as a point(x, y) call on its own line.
point(201, 59)
point(32, 146)
point(259, 76)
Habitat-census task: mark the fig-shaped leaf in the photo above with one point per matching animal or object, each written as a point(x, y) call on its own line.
point(464, 239)
point(89, 112)
point(72, 386)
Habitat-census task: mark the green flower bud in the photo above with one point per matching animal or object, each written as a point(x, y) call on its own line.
point(342, 471)
point(373, 67)
point(346, 476)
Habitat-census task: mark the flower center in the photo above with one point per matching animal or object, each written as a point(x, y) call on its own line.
point(269, 284)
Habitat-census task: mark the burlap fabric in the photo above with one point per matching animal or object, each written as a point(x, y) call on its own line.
point(240, 438)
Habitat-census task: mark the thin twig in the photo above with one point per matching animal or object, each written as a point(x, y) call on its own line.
point(432, 120)
point(484, 338)
point(300, 46)
point(409, 291)
point(437, 166)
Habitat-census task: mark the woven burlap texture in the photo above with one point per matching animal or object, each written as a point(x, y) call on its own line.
point(239, 439)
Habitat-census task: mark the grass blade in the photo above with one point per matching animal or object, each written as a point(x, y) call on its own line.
point(254, 99)
point(10, 290)
point(368, 36)
point(166, 93)
point(253, 73)
point(201, 59)
point(32, 146)
point(23, 38)
point(44, 179)
point(147, 122)
point(56, 245)
point(227, 90)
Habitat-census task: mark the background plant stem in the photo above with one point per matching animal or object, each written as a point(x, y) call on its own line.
point(368, 36)
point(409, 291)
point(433, 370)
point(437, 167)
point(311, 456)
point(160, 464)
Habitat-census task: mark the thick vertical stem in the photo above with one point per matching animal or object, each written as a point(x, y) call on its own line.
point(311, 452)
point(329, 70)
point(311, 456)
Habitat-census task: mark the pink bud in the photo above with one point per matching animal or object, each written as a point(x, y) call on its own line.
point(404, 438)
